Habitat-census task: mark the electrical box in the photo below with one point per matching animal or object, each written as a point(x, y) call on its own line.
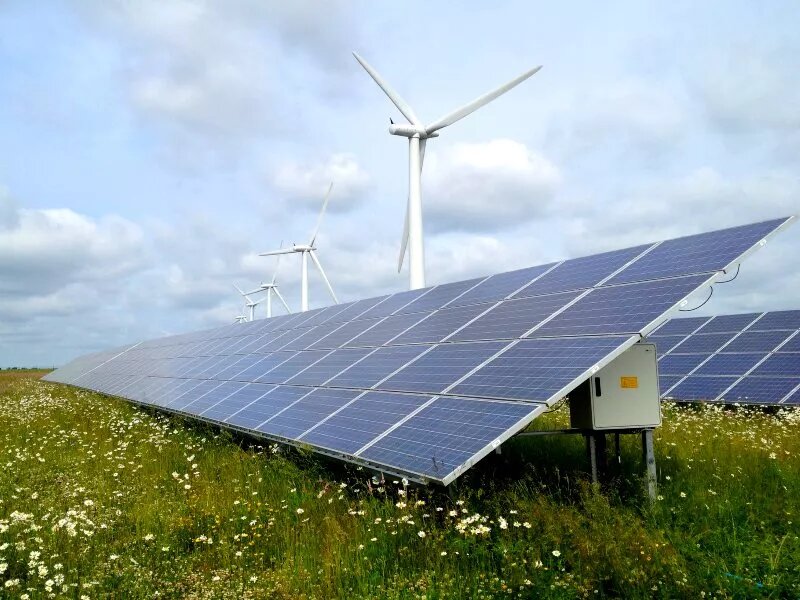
point(621, 395)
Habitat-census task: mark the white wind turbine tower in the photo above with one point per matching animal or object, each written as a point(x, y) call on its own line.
point(418, 134)
point(250, 304)
point(272, 288)
point(306, 251)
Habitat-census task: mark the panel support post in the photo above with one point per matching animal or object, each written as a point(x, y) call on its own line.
point(616, 448)
point(649, 459)
point(591, 447)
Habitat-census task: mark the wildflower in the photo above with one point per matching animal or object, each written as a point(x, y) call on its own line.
point(400, 505)
point(165, 548)
point(300, 511)
point(215, 578)
point(772, 455)
point(453, 513)
point(238, 553)
point(683, 494)
point(3, 567)
point(253, 579)
point(556, 553)
point(421, 534)
point(443, 553)
point(526, 525)
point(373, 539)
point(187, 487)
point(503, 523)
point(361, 546)
point(113, 557)
point(149, 537)
point(88, 502)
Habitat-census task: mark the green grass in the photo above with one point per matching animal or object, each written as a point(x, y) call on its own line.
point(101, 499)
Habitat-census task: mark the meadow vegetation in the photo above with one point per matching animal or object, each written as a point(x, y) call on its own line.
point(99, 498)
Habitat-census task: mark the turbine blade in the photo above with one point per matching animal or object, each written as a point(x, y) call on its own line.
point(401, 104)
point(280, 297)
point(321, 214)
point(238, 289)
point(277, 252)
point(465, 110)
point(324, 277)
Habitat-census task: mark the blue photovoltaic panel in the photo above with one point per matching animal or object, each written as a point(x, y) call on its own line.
point(580, 273)
point(704, 342)
point(701, 388)
point(513, 318)
point(440, 325)
point(377, 366)
point(620, 309)
point(267, 406)
point(701, 253)
point(441, 367)
point(781, 319)
point(757, 341)
point(681, 326)
point(779, 365)
point(329, 366)
point(209, 399)
point(794, 399)
point(327, 392)
point(345, 333)
point(445, 434)
point(761, 390)
point(439, 296)
point(665, 343)
point(363, 420)
point(665, 382)
point(793, 345)
point(232, 404)
point(307, 412)
point(730, 364)
point(680, 364)
point(393, 303)
point(387, 329)
point(293, 366)
point(729, 323)
point(538, 368)
point(498, 287)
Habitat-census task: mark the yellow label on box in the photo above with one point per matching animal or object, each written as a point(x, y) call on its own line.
point(629, 382)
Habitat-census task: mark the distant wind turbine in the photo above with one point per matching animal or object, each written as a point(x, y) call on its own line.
point(305, 251)
point(418, 134)
point(250, 304)
point(272, 288)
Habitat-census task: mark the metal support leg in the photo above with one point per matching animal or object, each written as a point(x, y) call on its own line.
point(498, 450)
point(649, 458)
point(616, 449)
point(591, 446)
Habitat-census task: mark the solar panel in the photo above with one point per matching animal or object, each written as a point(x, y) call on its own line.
point(425, 383)
point(756, 363)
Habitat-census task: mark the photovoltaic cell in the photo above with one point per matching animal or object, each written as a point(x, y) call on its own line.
point(439, 296)
point(329, 366)
point(267, 406)
point(306, 412)
point(701, 388)
point(440, 325)
point(260, 369)
point(192, 394)
point(234, 403)
point(387, 329)
point(445, 434)
point(513, 318)
point(363, 420)
point(293, 366)
point(729, 323)
point(680, 364)
point(781, 319)
point(353, 310)
point(704, 342)
point(376, 366)
point(761, 390)
point(793, 345)
point(580, 273)
point(538, 368)
point(441, 367)
point(701, 253)
point(345, 333)
point(681, 326)
point(393, 303)
point(209, 399)
point(665, 382)
point(757, 341)
point(498, 287)
point(620, 309)
point(779, 365)
point(665, 343)
point(730, 364)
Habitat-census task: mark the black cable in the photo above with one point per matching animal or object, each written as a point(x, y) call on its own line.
point(739, 266)
point(711, 293)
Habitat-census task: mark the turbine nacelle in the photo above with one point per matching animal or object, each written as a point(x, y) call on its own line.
point(409, 131)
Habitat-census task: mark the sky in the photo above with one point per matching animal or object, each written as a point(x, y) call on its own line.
point(150, 150)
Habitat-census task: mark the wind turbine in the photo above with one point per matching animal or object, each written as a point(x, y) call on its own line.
point(306, 251)
point(272, 287)
point(418, 134)
point(250, 304)
point(240, 319)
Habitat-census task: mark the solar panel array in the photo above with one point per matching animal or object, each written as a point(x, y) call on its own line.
point(422, 383)
point(751, 358)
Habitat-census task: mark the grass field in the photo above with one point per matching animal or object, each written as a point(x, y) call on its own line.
point(101, 499)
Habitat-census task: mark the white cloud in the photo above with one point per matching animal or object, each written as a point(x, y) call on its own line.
point(485, 186)
point(305, 184)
